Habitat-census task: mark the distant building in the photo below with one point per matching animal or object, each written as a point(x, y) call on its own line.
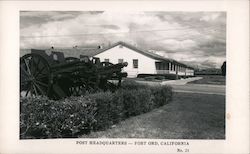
point(142, 62)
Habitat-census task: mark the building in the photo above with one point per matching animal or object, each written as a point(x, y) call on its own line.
point(142, 62)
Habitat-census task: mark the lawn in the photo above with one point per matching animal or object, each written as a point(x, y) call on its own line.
point(211, 79)
point(188, 116)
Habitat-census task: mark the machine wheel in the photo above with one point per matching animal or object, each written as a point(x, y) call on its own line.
point(34, 75)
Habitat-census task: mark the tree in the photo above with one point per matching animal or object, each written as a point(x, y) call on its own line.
point(223, 68)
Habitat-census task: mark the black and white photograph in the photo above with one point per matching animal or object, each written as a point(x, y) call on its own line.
point(104, 74)
point(139, 76)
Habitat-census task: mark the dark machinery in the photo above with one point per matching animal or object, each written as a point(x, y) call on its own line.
point(58, 77)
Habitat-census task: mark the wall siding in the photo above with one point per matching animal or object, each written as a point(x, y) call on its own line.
point(146, 65)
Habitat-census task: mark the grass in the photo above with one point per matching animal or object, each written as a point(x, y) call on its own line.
point(211, 79)
point(188, 116)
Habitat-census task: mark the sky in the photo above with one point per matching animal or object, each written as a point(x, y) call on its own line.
point(195, 38)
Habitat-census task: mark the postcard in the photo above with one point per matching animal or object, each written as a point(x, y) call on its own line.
point(124, 76)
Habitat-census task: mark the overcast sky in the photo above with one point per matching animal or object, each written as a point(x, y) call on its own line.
point(195, 38)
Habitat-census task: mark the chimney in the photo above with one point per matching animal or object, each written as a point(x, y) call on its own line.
point(100, 47)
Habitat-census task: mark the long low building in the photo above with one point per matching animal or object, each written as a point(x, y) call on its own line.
point(142, 62)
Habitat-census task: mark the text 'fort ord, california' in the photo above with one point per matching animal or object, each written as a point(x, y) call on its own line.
point(137, 143)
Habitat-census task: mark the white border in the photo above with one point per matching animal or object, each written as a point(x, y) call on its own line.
point(237, 92)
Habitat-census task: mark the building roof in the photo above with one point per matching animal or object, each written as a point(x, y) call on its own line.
point(76, 52)
point(146, 53)
point(68, 52)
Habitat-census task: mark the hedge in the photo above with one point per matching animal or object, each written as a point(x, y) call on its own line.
point(76, 116)
point(158, 76)
point(43, 118)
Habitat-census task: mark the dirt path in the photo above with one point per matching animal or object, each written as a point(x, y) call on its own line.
point(188, 116)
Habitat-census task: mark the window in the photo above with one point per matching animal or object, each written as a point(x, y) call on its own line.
point(161, 66)
point(106, 60)
point(157, 65)
point(135, 63)
point(120, 60)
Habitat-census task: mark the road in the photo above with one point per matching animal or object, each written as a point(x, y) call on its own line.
point(182, 86)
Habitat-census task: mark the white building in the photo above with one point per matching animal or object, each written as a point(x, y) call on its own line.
point(143, 62)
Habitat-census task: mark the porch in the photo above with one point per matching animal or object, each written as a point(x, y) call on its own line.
point(169, 68)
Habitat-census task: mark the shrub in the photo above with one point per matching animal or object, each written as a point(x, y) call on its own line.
point(135, 101)
point(170, 76)
point(160, 77)
point(103, 102)
point(43, 118)
point(161, 95)
point(75, 116)
point(149, 78)
point(117, 108)
point(132, 85)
